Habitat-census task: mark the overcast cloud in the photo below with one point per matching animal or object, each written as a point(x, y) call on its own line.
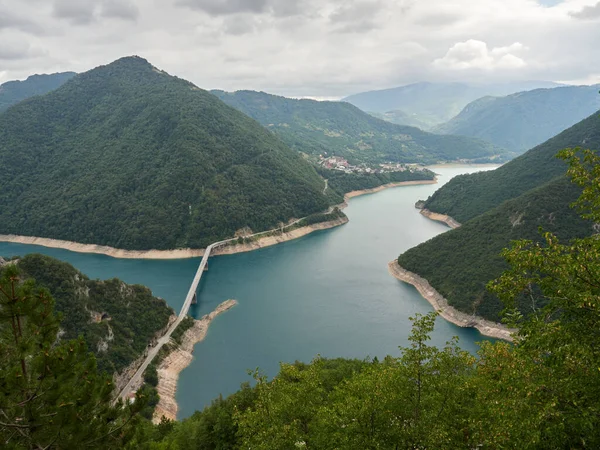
point(318, 48)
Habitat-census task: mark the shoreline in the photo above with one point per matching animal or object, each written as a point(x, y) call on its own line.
point(449, 313)
point(443, 218)
point(178, 359)
point(358, 193)
point(186, 253)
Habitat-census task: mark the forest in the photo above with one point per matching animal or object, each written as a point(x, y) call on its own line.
point(128, 156)
point(539, 392)
point(337, 128)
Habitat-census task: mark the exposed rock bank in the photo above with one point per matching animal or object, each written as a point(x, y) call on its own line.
point(451, 314)
point(170, 367)
point(387, 186)
point(440, 218)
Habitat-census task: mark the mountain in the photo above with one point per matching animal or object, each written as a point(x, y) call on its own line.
point(468, 196)
point(495, 208)
point(117, 320)
point(525, 119)
point(434, 103)
point(13, 92)
point(128, 156)
point(460, 262)
point(402, 118)
point(316, 128)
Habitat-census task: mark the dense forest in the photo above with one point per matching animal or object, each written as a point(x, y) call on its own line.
point(127, 156)
point(13, 92)
point(540, 393)
point(467, 196)
point(336, 128)
point(460, 262)
point(116, 320)
point(521, 121)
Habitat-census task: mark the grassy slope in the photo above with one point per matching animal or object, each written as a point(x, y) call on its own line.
point(117, 156)
point(342, 129)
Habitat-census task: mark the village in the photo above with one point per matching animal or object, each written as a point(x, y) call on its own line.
point(341, 164)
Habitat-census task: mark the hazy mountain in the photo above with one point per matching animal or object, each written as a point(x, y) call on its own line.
point(339, 128)
point(434, 103)
point(468, 196)
point(128, 156)
point(13, 92)
point(497, 207)
point(522, 120)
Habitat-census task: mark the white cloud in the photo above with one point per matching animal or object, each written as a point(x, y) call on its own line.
point(474, 54)
point(319, 48)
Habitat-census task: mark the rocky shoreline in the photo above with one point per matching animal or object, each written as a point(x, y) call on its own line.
point(451, 314)
point(352, 194)
point(440, 218)
point(170, 367)
point(184, 253)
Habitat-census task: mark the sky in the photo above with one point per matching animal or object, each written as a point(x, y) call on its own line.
point(309, 48)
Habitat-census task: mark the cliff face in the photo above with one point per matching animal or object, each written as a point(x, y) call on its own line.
point(117, 320)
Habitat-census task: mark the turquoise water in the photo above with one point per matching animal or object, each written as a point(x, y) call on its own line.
point(328, 293)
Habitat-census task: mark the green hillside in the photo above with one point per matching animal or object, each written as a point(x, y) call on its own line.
point(128, 156)
point(433, 103)
point(13, 92)
point(520, 121)
point(316, 128)
point(117, 320)
point(467, 196)
point(460, 262)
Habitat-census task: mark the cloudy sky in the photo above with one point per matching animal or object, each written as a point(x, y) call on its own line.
point(319, 48)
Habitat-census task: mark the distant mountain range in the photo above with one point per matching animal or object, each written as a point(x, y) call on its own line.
point(128, 156)
point(496, 207)
point(316, 128)
point(428, 104)
point(525, 119)
point(13, 92)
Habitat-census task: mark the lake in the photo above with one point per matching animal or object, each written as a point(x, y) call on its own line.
point(328, 293)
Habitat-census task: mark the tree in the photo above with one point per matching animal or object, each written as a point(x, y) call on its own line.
point(51, 395)
point(545, 391)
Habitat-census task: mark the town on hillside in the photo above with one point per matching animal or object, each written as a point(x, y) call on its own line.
point(341, 164)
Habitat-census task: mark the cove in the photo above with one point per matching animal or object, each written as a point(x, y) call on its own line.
point(328, 293)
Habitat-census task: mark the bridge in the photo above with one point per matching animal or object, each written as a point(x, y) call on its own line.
point(136, 380)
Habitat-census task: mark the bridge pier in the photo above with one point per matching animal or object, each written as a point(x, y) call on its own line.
point(195, 299)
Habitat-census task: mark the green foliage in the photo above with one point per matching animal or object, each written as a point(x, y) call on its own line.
point(318, 128)
point(460, 262)
point(51, 395)
point(128, 156)
point(130, 314)
point(13, 92)
point(468, 196)
point(346, 182)
point(521, 121)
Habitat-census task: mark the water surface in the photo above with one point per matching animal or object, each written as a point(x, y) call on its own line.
point(328, 293)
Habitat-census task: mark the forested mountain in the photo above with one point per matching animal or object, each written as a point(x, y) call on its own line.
point(117, 320)
point(128, 156)
point(467, 196)
point(338, 128)
point(520, 121)
point(13, 92)
point(433, 103)
point(460, 262)
point(496, 208)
